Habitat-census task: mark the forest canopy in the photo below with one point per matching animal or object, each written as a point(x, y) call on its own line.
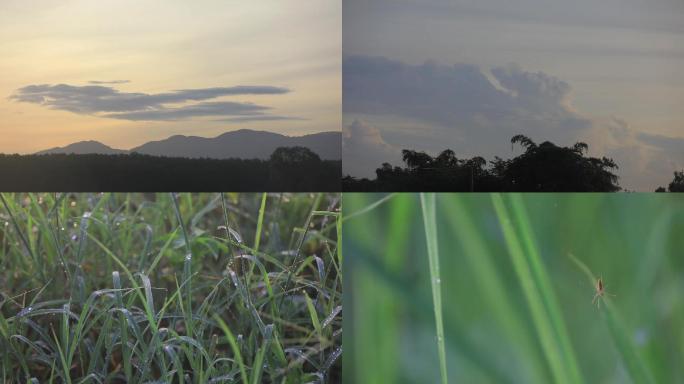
point(542, 167)
point(291, 169)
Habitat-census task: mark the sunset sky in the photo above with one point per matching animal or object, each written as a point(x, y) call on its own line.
point(124, 72)
point(468, 75)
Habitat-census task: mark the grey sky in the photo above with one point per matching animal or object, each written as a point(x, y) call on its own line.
point(618, 65)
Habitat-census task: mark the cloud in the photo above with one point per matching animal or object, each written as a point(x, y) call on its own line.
point(459, 106)
point(195, 110)
point(461, 97)
point(109, 82)
point(646, 160)
point(673, 145)
point(108, 102)
point(364, 144)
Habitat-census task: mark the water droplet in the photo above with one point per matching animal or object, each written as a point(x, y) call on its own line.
point(73, 203)
point(86, 214)
point(437, 280)
point(6, 223)
point(188, 257)
point(25, 311)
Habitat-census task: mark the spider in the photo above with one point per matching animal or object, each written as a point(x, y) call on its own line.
point(600, 292)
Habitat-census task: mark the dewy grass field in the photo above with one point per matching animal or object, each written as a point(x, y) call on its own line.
point(201, 288)
point(517, 275)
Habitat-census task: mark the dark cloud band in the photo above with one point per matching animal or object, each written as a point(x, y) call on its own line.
point(108, 102)
point(458, 95)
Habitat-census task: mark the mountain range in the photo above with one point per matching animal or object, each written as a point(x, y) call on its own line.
point(243, 143)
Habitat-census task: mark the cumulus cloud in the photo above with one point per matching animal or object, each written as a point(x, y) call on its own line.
point(646, 160)
point(364, 146)
point(108, 102)
point(459, 106)
point(460, 97)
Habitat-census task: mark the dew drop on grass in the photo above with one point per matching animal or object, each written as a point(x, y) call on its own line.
point(86, 214)
point(188, 257)
point(332, 358)
point(169, 351)
point(233, 277)
point(437, 280)
point(321, 268)
point(332, 316)
point(6, 223)
point(233, 233)
point(25, 311)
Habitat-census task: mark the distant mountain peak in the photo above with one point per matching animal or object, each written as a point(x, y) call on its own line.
point(242, 143)
point(83, 148)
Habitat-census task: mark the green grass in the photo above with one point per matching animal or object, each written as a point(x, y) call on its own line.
point(427, 202)
point(114, 288)
point(515, 307)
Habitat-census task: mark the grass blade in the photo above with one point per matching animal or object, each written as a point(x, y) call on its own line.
point(237, 355)
point(544, 285)
point(532, 293)
point(427, 201)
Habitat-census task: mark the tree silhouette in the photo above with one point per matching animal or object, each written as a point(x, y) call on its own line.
point(295, 168)
point(677, 184)
point(288, 169)
point(416, 160)
point(543, 167)
point(547, 167)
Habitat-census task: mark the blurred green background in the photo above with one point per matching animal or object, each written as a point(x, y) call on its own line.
point(516, 309)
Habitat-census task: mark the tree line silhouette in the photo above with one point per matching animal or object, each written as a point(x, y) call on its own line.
point(291, 169)
point(541, 168)
point(676, 185)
